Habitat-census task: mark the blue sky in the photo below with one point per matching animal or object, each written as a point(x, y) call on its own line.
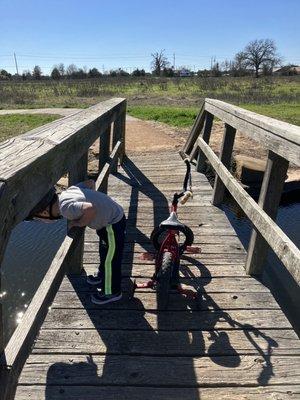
point(112, 34)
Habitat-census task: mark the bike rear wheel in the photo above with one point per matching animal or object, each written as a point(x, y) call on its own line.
point(164, 276)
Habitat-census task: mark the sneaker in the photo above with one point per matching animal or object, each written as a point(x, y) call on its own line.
point(94, 279)
point(105, 298)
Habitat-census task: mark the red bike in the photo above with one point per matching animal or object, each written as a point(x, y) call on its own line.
point(171, 239)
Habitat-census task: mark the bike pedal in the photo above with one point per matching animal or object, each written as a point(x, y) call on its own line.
point(193, 249)
point(147, 256)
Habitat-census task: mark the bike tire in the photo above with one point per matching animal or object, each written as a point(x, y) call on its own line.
point(157, 232)
point(164, 280)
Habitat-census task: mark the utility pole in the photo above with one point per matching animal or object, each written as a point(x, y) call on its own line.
point(16, 63)
point(174, 65)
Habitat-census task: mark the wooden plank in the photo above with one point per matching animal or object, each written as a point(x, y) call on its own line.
point(186, 270)
point(216, 284)
point(148, 301)
point(269, 199)
point(283, 247)
point(156, 343)
point(59, 147)
point(58, 392)
point(167, 320)
point(196, 129)
point(74, 259)
point(225, 157)
point(104, 154)
point(18, 347)
point(280, 137)
point(145, 370)
point(113, 159)
point(205, 136)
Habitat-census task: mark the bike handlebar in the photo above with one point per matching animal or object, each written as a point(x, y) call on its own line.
point(188, 194)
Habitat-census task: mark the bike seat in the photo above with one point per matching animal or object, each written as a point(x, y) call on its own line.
point(172, 222)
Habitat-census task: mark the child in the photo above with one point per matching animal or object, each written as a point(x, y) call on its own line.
point(83, 206)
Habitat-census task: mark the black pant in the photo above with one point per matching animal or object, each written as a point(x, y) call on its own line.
point(111, 247)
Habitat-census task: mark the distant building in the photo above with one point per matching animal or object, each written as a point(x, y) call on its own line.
point(184, 72)
point(287, 70)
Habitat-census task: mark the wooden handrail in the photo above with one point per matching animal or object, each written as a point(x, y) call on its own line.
point(43, 162)
point(282, 140)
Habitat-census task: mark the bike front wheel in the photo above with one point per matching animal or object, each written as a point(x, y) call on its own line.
point(164, 276)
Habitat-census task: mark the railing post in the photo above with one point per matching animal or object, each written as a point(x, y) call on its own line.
point(119, 135)
point(209, 118)
point(74, 259)
point(196, 129)
point(104, 154)
point(269, 199)
point(225, 158)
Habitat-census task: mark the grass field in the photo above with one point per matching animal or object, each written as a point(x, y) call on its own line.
point(16, 124)
point(181, 92)
point(184, 117)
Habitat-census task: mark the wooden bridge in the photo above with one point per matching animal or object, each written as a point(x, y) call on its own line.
point(239, 345)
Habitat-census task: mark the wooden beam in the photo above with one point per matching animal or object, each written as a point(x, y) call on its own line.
point(74, 261)
point(48, 152)
point(283, 247)
point(104, 154)
point(225, 157)
point(196, 129)
point(269, 199)
point(5, 231)
point(280, 137)
point(108, 166)
point(19, 345)
point(209, 118)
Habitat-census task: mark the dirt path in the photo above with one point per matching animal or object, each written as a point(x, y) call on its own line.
point(151, 136)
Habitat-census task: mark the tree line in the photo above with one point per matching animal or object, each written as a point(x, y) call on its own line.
point(259, 57)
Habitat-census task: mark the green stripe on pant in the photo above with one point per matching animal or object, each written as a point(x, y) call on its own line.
point(108, 260)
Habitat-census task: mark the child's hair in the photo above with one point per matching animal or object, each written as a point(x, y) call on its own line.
point(48, 200)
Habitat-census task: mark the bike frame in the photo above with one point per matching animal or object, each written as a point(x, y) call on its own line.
point(170, 244)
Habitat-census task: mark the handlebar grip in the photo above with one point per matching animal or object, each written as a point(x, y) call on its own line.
point(186, 196)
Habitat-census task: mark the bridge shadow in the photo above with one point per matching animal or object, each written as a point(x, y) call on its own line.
point(138, 341)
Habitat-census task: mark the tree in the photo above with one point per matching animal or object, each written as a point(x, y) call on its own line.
point(4, 75)
point(159, 62)
point(55, 74)
point(215, 71)
point(138, 72)
point(71, 70)
point(37, 72)
point(94, 73)
point(61, 69)
point(258, 53)
point(26, 75)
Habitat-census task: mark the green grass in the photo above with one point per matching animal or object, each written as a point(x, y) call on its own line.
point(288, 112)
point(184, 117)
point(175, 116)
point(181, 92)
point(16, 124)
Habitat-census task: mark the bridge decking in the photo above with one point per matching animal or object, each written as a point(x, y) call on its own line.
point(240, 345)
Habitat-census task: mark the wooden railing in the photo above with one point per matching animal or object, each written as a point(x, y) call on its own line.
point(282, 140)
point(29, 165)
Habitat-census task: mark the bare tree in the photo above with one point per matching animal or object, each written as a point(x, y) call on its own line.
point(61, 69)
point(258, 53)
point(159, 62)
point(37, 72)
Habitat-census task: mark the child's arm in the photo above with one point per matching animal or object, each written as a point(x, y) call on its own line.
point(88, 214)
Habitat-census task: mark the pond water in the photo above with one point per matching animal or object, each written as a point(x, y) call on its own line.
point(275, 276)
point(29, 253)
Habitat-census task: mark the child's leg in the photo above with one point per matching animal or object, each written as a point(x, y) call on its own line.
point(103, 247)
point(113, 261)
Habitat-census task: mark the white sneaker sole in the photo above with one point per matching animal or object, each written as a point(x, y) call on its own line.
point(101, 302)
